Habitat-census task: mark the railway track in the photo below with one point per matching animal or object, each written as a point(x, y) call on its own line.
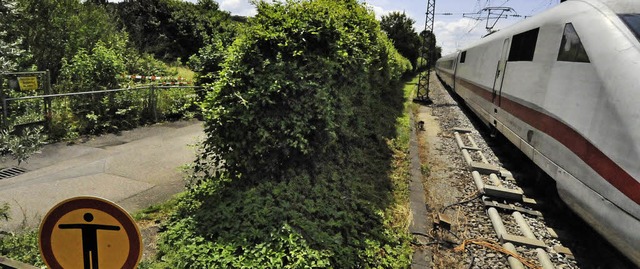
point(501, 211)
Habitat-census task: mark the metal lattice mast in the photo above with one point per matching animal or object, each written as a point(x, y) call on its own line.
point(427, 52)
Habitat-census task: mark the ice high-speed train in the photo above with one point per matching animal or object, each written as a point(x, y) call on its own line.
point(564, 87)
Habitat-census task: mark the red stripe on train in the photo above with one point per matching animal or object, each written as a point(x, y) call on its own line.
point(570, 138)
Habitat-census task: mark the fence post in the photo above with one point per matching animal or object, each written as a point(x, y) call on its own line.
point(47, 102)
point(5, 111)
point(154, 104)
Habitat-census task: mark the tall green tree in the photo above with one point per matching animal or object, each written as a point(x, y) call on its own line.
point(428, 40)
point(54, 30)
point(145, 21)
point(171, 29)
point(10, 52)
point(399, 28)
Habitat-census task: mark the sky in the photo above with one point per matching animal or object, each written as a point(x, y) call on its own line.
point(453, 32)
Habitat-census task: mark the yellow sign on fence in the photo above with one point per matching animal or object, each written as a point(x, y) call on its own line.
point(28, 83)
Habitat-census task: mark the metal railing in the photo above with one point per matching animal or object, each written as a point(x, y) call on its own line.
point(5, 100)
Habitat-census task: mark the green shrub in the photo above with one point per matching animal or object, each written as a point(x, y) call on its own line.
point(4, 212)
point(295, 170)
point(21, 247)
point(177, 103)
point(300, 83)
point(96, 70)
point(146, 65)
point(102, 69)
point(20, 146)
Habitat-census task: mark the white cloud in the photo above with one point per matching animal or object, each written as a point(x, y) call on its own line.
point(454, 35)
point(238, 7)
point(379, 11)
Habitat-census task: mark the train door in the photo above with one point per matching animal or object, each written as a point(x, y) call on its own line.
point(455, 71)
point(499, 78)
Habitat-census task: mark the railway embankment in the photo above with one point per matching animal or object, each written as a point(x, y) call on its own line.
point(490, 206)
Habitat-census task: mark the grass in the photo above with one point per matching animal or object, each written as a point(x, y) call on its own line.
point(21, 246)
point(184, 72)
point(158, 212)
point(400, 173)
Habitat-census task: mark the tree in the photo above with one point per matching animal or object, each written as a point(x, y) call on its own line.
point(171, 29)
point(428, 40)
point(54, 30)
point(145, 20)
point(399, 28)
point(10, 52)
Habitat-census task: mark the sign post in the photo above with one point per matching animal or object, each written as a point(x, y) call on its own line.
point(89, 233)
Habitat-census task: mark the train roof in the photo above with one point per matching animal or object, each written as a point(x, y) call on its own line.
point(607, 7)
point(617, 6)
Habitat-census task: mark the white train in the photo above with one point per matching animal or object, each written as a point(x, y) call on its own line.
point(564, 87)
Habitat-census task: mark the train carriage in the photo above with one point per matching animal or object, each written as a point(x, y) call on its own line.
point(564, 87)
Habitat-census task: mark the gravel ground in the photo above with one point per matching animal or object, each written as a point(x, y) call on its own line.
point(447, 181)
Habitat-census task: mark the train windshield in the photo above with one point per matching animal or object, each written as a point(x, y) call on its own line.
point(633, 22)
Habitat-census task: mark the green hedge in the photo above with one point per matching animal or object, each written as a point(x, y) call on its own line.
point(298, 128)
point(299, 84)
point(102, 69)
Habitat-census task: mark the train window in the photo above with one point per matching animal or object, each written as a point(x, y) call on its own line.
point(571, 49)
point(463, 56)
point(523, 46)
point(448, 64)
point(633, 22)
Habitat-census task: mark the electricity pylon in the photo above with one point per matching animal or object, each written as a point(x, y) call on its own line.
point(427, 53)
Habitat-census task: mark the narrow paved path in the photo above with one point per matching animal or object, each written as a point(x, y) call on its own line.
point(135, 169)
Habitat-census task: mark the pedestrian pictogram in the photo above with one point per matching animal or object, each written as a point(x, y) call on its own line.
point(89, 233)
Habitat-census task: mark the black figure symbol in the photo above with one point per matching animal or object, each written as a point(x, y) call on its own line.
point(89, 239)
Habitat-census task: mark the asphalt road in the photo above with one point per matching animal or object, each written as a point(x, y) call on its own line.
point(134, 169)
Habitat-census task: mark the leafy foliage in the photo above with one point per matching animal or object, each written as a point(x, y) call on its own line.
point(4, 212)
point(55, 30)
point(11, 55)
point(21, 146)
point(428, 39)
point(297, 85)
point(171, 29)
point(92, 71)
point(399, 28)
point(100, 69)
point(21, 247)
point(208, 61)
point(295, 171)
point(83, 47)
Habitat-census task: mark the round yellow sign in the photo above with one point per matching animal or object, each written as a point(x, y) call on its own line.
point(89, 233)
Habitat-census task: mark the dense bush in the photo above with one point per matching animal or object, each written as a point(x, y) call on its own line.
point(208, 61)
point(102, 69)
point(20, 146)
point(298, 126)
point(171, 29)
point(53, 30)
point(21, 247)
point(144, 64)
point(96, 70)
point(303, 81)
